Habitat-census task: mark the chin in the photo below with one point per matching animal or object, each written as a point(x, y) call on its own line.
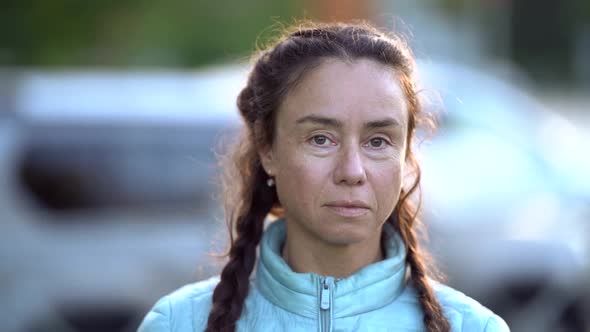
point(346, 233)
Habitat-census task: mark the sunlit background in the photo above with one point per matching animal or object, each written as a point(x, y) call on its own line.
point(111, 113)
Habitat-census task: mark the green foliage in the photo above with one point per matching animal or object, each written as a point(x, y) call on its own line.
point(179, 33)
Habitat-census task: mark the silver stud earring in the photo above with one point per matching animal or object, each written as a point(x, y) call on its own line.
point(270, 182)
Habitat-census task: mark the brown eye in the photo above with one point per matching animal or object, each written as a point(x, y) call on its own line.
point(320, 139)
point(376, 142)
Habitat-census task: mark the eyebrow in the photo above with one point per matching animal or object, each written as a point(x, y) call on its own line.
point(330, 122)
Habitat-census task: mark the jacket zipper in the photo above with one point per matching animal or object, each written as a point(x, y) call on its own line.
point(326, 289)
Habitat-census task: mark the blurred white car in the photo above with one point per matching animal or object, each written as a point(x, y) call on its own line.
point(108, 193)
point(507, 199)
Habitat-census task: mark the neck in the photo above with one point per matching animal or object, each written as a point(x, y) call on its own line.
point(335, 260)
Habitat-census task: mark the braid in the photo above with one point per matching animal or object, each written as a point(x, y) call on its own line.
point(434, 319)
point(230, 293)
point(247, 204)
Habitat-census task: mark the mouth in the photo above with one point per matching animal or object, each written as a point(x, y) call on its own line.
point(348, 209)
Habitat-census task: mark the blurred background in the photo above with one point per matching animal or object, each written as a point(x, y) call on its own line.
point(111, 113)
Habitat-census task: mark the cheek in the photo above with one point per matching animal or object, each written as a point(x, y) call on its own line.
point(387, 185)
point(301, 177)
point(389, 177)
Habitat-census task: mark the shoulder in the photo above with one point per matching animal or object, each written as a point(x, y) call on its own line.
point(465, 313)
point(182, 309)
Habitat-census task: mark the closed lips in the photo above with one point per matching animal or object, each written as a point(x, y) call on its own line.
point(348, 204)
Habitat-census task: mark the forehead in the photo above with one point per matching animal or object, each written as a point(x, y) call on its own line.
point(359, 90)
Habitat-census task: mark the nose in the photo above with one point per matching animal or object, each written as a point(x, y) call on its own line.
point(350, 169)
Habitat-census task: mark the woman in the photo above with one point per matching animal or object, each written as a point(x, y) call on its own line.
point(331, 112)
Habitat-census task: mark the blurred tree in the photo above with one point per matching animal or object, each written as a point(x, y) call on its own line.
point(543, 34)
point(538, 35)
point(134, 32)
point(342, 10)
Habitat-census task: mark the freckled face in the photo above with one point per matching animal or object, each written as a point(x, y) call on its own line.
point(339, 151)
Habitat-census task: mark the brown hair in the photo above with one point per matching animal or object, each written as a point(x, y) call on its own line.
point(248, 200)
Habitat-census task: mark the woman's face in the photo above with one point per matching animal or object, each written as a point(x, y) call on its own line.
point(339, 150)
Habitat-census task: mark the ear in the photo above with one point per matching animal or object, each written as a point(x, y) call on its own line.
point(267, 159)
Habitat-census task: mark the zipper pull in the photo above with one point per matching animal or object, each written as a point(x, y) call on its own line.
point(325, 293)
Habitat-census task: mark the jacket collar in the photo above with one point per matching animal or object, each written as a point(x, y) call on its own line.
point(370, 288)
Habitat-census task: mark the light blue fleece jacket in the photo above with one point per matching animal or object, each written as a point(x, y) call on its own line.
point(378, 297)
